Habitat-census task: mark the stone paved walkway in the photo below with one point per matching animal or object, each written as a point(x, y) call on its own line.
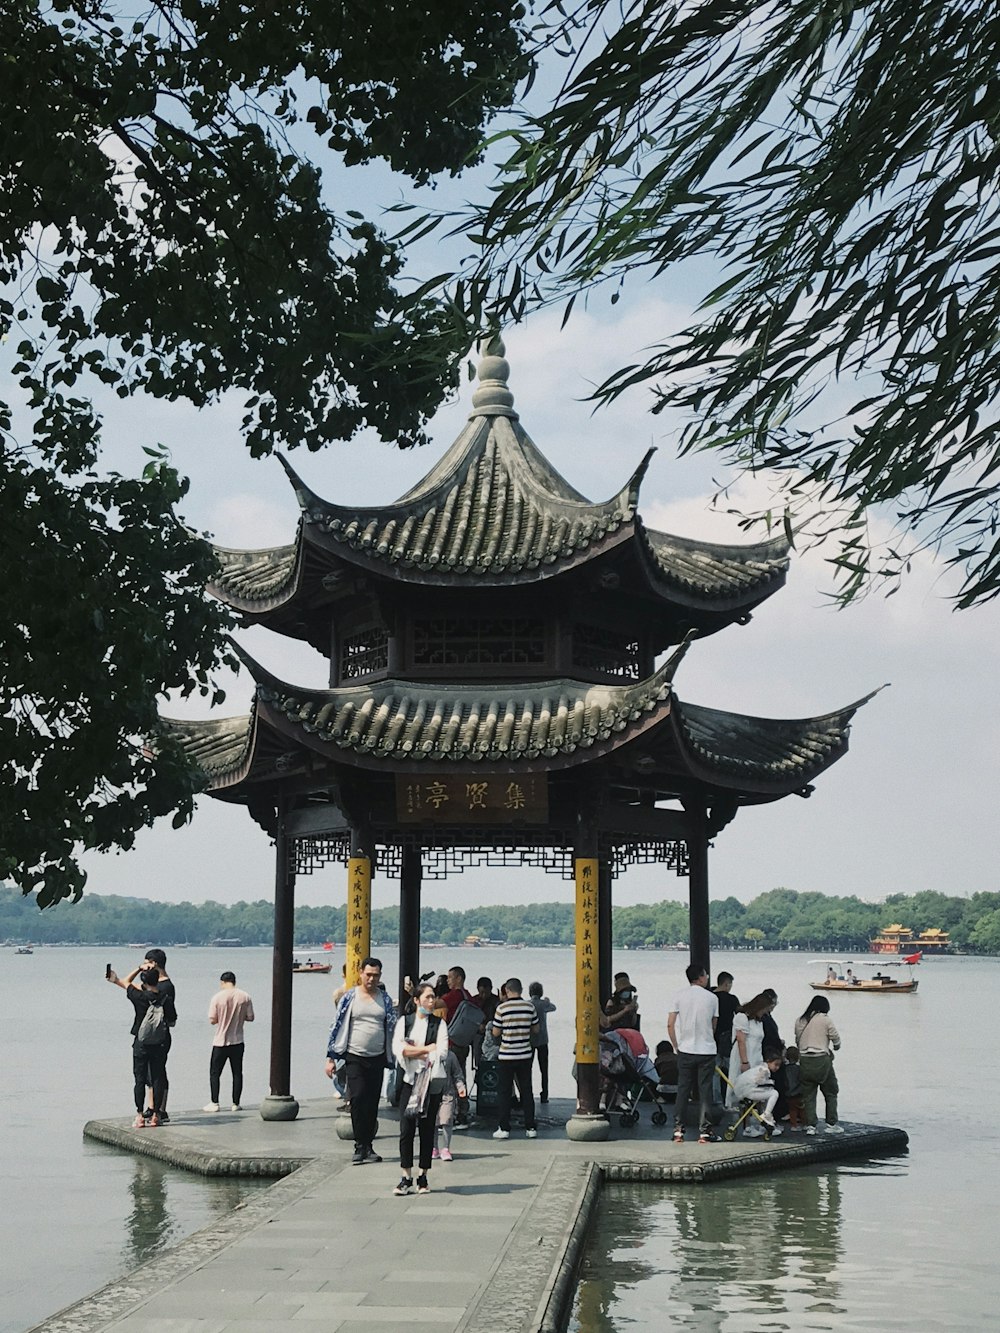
point(490, 1250)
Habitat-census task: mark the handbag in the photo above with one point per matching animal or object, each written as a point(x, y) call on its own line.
point(417, 1105)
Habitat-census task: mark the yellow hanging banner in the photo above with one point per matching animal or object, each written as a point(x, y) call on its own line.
point(588, 1001)
point(359, 916)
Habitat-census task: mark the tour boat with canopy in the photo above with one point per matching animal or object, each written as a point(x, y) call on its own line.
point(840, 976)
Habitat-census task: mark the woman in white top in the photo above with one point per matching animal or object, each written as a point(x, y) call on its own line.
point(748, 1040)
point(817, 1039)
point(420, 1037)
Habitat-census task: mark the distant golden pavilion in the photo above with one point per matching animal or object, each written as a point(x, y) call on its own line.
point(900, 939)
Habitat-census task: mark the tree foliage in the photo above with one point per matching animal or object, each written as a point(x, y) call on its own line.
point(777, 920)
point(164, 230)
point(839, 162)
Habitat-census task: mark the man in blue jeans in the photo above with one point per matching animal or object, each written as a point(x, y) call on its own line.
point(691, 1024)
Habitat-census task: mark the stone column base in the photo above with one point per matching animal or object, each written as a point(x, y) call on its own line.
point(345, 1129)
point(275, 1107)
point(587, 1128)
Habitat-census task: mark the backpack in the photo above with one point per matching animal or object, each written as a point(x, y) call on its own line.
point(153, 1029)
point(466, 1021)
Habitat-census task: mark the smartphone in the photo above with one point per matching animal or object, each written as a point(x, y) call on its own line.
point(107, 973)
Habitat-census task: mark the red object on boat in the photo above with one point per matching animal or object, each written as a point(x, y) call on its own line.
point(328, 945)
point(913, 958)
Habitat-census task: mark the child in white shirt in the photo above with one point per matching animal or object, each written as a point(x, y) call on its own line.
point(755, 1085)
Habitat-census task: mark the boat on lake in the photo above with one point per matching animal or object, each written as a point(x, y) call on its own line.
point(840, 977)
point(24, 948)
point(305, 962)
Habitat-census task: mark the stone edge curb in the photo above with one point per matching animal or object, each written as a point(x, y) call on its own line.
point(192, 1159)
point(119, 1298)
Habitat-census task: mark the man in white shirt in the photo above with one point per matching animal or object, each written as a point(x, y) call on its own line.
point(229, 1009)
point(691, 1026)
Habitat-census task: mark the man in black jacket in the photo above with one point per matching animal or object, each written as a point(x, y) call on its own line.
point(149, 1051)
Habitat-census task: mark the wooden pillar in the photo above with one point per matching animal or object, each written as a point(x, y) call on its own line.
point(605, 938)
point(410, 876)
point(697, 842)
point(281, 1105)
point(359, 905)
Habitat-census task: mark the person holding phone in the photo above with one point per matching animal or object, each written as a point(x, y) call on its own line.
point(149, 1059)
point(622, 1010)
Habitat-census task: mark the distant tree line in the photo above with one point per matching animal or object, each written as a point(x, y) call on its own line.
point(778, 919)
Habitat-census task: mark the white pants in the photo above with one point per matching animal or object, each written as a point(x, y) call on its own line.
point(766, 1096)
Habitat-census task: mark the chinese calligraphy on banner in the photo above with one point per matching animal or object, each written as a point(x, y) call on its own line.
point(359, 915)
point(587, 972)
point(472, 798)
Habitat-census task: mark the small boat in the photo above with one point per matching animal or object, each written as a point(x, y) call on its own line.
point(840, 977)
point(24, 948)
point(304, 962)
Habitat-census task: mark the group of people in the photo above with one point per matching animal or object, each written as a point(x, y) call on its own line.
point(710, 1030)
point(429, 1045)
point(152, 995)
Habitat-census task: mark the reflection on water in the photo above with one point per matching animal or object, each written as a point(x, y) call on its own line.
point(751, 1255)
point(160, 1213)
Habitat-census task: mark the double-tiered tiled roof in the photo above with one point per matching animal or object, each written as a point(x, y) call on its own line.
point(494, 513)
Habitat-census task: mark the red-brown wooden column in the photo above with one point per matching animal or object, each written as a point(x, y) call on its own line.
point(281, 1105)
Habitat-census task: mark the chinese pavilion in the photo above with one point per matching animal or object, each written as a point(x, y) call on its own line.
point(494, 698)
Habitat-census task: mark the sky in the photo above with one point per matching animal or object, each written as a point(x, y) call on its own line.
point(908, 808)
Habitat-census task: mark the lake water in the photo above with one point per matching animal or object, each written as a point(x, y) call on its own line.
point(903, 1244)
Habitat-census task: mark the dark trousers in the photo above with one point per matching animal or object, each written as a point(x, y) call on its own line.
point(411, 1125)
point(519, 1072)
point(542, 1052)
point(220, 1054)
point(162, 1104)
point(363, 1076)
point(692, 1069)
point(149, 1064)
point(461, 1054)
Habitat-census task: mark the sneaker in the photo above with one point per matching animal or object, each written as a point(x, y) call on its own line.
point(499, 1133)
point(154, 1121)
point(236, 1107)
point(706, 1136)
point(435, 1155)
point(140, 1121)
point(810, 1129)
point(753, 1132)
point(776, 1132)
point(404, 1187)
point(359, 1155)
point(370, 1157)
point(678, 1136)
point(211, 1108)
point(544, 1099)
point(423, 1185)
point(461, 1125)
point(531, 1133)
point(164, 1118)
point(445, 1155)
point(835, 1129)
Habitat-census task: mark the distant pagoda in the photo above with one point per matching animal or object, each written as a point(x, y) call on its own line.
point(494, 694)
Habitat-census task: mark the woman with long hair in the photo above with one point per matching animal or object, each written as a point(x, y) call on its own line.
point(748, 1039)
point(817, 1039)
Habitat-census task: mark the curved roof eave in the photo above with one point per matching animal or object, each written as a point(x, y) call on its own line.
point(258, 581)
point(761, 755)
point(712, 576)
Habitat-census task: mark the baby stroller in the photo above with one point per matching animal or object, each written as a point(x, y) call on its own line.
point(625, 1084)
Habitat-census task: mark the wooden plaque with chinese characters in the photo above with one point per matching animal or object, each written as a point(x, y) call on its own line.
point(472, 798)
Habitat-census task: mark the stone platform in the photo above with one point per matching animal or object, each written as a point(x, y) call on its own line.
point(492, 1249)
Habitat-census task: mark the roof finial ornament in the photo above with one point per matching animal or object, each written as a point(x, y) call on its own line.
point(491, 397)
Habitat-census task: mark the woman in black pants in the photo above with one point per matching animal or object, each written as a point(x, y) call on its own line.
point(420, 1037)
